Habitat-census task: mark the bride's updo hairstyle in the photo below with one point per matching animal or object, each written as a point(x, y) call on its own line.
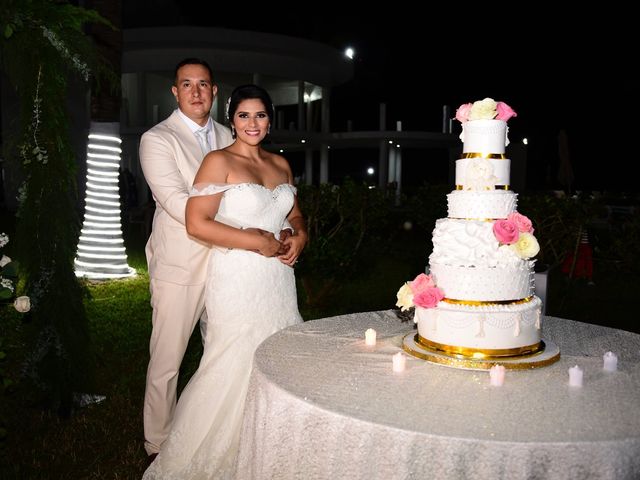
point(246, 92)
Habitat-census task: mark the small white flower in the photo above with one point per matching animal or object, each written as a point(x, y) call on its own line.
point(6, 283)
point(22, 304)
point(4, 239)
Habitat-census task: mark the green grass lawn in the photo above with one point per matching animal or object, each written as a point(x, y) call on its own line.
point(105, 440)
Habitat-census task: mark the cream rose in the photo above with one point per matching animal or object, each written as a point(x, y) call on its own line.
point(483, 109)
point(527, 246)
point(22, 304)
point(405, 297)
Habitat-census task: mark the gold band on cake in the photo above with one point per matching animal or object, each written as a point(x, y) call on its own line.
point(487, 303)
point(476, 219)
point(495, 156)
point(496, 187)
point(479, 353)
point(546, 355)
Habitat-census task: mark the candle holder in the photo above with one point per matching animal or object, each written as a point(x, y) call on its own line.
point(399, 362)
point(575, 376)
point(370, 337)
point(610, 362)
point(496, 375)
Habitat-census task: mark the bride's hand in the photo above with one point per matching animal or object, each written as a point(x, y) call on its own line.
point(269, 245)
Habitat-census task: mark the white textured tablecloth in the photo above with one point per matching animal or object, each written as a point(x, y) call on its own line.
point(323, 405)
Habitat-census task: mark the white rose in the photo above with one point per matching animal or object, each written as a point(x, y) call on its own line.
point(22, 304)
point(4, 261)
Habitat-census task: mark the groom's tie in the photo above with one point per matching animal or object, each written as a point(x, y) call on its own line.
point(202, 134)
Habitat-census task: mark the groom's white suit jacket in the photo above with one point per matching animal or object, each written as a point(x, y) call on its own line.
point(170, 157)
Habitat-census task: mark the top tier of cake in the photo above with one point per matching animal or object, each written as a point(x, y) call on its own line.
point(485, 138)
point(483, 173)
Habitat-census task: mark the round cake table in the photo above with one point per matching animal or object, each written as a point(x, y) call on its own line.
point(323, 405)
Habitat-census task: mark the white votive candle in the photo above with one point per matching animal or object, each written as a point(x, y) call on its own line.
point(399, 362)
point(496, 375)
point(370, 337)
point(610, 362)
point(575, 376)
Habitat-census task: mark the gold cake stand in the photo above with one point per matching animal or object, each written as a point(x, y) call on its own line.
point(547, 354)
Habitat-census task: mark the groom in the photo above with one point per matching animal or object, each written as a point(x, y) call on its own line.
point(170, 155)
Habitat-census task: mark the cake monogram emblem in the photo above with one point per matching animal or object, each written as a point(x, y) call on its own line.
point(479, 175)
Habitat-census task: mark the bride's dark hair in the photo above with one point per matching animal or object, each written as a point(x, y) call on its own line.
point(246, 92)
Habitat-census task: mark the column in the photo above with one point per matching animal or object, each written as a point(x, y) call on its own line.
point(325, 128)
point(325, 110)
point(141, 104)
point(446, 119)
point(309, 113)
point(308, 166)
point(383, 149)
point(324, 163)
point(398, 174)
point(301, 124)
point(392, 164)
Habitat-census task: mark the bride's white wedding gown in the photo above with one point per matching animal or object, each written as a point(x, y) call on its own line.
point(248, 298)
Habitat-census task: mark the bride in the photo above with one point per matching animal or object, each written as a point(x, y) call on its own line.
point(242, 197)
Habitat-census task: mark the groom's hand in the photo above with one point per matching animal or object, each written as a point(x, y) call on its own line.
point(284, 235)
point(270, 247)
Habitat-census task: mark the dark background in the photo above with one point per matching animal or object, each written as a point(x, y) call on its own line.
point(558, 72)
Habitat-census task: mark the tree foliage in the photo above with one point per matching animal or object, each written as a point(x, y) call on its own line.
point(343, 222)
point(43, 45)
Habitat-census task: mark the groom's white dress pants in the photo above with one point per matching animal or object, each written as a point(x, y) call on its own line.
point(176, 310)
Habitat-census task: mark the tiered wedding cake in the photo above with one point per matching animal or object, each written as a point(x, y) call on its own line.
point(478, 300)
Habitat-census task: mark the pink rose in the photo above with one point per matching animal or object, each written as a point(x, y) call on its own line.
point(428, 298)
point(421, 283)
point(506, 231)
point(462, 113)
point(522, 222)
point(505, 112)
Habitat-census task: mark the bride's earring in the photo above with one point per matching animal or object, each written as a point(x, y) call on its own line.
point(268, 129)
point(233, 131)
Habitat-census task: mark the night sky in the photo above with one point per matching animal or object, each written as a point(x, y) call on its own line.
point(552, 76)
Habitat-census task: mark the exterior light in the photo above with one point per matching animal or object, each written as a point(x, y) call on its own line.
point(101, 252)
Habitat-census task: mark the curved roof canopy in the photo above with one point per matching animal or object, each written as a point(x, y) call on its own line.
point(160, 49)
